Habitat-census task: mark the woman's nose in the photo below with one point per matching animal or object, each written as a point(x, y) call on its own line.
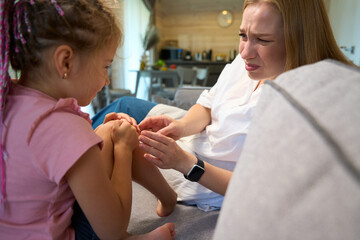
point(247, 50)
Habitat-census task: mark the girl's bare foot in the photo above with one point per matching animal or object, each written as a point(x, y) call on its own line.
point(165, 208)
point(164, 232)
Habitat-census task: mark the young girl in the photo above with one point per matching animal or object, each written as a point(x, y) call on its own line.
point(50, 156)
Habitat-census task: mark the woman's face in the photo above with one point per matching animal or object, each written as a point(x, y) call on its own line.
point(262, 43)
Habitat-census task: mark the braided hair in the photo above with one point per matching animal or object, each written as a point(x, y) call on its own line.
point(4, 85)
point(29, 27)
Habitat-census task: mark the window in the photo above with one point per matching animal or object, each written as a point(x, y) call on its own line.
point(134, 18)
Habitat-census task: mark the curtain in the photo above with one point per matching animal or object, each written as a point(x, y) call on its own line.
point(153, 52)
point(134, 18)
point(150, 5)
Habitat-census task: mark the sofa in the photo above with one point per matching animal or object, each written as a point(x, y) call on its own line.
point(184, 97)
point(299, 174)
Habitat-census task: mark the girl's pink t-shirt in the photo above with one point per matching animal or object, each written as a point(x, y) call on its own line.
point(43, 138)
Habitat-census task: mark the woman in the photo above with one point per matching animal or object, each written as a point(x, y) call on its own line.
point(275, 36)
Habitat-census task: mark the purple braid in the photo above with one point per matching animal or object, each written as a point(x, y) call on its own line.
point(58, 8)
point(4, 86)
point(17, 23)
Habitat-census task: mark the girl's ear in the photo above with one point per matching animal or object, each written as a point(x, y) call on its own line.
point(64, 56)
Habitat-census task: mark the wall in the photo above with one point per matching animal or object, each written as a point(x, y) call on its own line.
point(199, 31)
point(345, 19)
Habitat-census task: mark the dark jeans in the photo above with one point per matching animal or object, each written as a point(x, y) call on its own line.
point(137, 109)
point(83, 230)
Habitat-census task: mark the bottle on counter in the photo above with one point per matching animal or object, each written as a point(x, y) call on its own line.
point(232, 55)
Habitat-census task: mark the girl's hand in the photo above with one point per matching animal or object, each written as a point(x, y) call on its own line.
point(164, 125)
point(164, 152)
point(124, 133)
point(119, 116)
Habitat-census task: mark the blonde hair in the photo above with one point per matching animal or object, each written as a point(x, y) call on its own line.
point(307, 31)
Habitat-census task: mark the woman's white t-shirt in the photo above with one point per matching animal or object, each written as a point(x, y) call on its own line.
point(231, 101)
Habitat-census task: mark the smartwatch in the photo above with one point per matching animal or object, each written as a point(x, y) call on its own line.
point(196, 171)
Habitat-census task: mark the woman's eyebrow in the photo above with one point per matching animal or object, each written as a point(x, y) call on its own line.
point(263, 34)
point(258, 34)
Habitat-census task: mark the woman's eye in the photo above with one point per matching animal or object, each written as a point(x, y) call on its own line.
point(242, 35)
point(263, 40)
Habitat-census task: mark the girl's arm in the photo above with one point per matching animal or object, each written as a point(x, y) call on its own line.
point(95, 194)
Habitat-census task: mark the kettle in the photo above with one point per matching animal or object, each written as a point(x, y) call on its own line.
point(188, 56)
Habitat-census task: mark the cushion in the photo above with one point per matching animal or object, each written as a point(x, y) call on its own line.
point(299, 174)
point(184, 97)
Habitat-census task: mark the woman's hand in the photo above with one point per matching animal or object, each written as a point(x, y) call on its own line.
point(164, 125)
point(164, 152)
point(124, 133)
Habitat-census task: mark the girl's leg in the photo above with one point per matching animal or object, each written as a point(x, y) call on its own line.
point(158, 186)
point(135, 107)
point(107, 152)
point(149, 176)
point(145, 173)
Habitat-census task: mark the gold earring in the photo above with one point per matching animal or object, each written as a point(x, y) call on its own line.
point(65, 76)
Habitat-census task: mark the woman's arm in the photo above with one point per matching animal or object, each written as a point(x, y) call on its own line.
point(195, 120)
point(216, 179)
point(165, 153)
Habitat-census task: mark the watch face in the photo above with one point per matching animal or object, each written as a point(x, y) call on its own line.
point(195, 173)
point(225, 18)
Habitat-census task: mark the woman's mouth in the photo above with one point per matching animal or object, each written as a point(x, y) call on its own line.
point(251, 67)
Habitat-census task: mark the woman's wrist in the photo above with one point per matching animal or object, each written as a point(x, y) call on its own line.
point(182, 128)
point(195, 121)
point(189, 161)
point(185, 127)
